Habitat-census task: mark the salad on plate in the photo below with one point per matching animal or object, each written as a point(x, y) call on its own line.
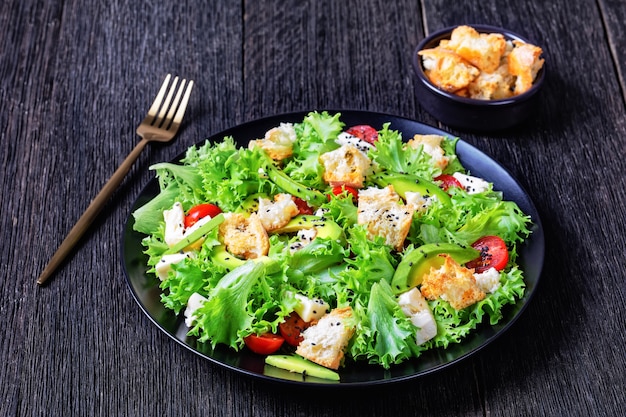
point(321, 244)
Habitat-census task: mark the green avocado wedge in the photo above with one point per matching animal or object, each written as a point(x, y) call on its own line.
point(220, 256)
point(418, 262)
point(326, 228)
point(196, 234)
point(295, 363)
point(251, 204)
point(287, 184)
point(411, 183)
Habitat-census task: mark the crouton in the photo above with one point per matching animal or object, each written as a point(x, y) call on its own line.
point(346, 165)
point(482, 50)
point(447, 70)
point(497, 85)
point(324, 343)
point(278, 142)
point(524, 63)
point(244, 237)
point(381, 211)
point(432, 146)
point(276, 214)
point(452, 283)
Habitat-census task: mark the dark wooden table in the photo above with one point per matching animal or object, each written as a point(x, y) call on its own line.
point(76, 78)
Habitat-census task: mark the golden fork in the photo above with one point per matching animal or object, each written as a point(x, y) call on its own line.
point(160, 124)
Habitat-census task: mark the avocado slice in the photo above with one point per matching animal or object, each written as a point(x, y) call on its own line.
point(197, 234)
point(287, 184)
point(294, 363)
point(418, 262)
point(403, 183)
point(326, 228)
point(220, 256)
point(251, 204)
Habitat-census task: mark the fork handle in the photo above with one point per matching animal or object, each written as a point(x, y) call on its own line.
point(91, 213)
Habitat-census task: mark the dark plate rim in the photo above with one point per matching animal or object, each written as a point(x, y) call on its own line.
point(146, 292)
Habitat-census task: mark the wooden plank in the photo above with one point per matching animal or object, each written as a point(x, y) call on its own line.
point(332, 55)
point(80, 86)
point(537, 367)
point(613, 14)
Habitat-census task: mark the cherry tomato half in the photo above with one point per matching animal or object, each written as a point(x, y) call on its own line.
point(446, 181)
point(303, 207)
point(364, 132)
point(339, 189)
point(201, 210)
point(264, 344)
point(493, 254)
point(291, 329)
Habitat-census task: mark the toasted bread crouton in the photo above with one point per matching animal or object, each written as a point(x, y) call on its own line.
point(382, 212)
point(447, 70)
point(524, 63)
point(497, 85)
point(346, 165)
point(278, 142)
point(452, 283)
point(432, 146)
point(324, 343)
point(276, 214)
point(483, 50)
point(244, 237)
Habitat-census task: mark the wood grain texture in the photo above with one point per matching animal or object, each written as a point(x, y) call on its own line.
point(562, 159)
point(76, 78)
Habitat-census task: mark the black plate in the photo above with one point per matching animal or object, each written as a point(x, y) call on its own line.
point(145, 287)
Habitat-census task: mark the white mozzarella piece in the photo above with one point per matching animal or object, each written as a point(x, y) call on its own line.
point(419, 202)
point(194, 303)
point(415, 307)
point(174, 224)
point(345, 138)
point(472, 185)
point(488, 281)
point(311, 309)
point(164, 266)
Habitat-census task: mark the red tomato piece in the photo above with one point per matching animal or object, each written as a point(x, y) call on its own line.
point(201, 210)
point(446, 181)
point(291, 329)
point(264, 344)
point(364, 132)
point(493, 254)
point(339, 189)
point(303, 207)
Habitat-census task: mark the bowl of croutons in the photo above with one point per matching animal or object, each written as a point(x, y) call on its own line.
point(478, 77)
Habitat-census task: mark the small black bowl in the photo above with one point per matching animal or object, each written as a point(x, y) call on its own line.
point(467, 113)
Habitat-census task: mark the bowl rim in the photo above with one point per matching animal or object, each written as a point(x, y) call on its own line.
point(481, 28)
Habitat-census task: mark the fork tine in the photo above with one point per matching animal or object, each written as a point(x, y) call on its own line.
point(156, 104)
point(166, 103)
point(178, 118)
point(174, 105)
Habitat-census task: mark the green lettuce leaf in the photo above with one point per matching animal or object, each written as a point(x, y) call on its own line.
point(385, 335)
point(227, 312)
point(392, 153)
point(316, 135)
